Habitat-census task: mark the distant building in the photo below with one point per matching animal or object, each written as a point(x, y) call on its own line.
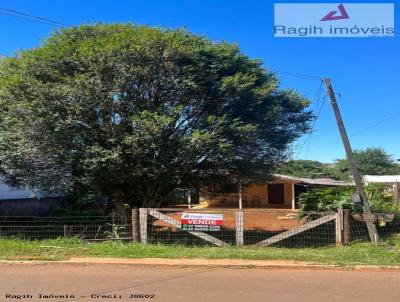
point(7, 192)
point(25, 202)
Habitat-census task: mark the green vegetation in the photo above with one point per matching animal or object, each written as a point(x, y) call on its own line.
point(304, 168)
point(131, 113)
point(380, 198)
point(371, 161)
point(388, 253)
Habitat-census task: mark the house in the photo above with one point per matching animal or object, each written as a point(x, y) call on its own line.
point(389, 180)
point(281, 193)
point(25, 202)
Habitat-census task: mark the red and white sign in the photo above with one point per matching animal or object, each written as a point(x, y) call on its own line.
point(202, 219)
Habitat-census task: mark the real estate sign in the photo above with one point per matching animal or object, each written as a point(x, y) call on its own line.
point(201, 222)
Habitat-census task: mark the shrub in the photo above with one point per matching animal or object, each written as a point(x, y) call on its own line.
point(379, 196)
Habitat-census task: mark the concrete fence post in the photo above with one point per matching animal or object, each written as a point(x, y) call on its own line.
point(239, 228)
point(135, 225)
point(346, 226)
point(143, 225)
point(339, 227)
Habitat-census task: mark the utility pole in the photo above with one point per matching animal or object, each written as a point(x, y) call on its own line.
point(373, 234)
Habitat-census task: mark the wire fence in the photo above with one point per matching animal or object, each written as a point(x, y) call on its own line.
point(87, 228)
point(167, 227)
point(260, 227)
point(387, 226)
point(209, 227)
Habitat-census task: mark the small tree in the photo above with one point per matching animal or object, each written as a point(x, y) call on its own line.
point(133, 112)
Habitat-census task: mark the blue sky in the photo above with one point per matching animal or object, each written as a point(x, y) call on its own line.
point(365, 71)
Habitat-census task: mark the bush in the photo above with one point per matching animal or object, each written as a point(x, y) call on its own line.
point(326, 199)
point(379, 196)
point(381, 199)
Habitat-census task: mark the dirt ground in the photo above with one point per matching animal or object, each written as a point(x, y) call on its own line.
point(108, 282)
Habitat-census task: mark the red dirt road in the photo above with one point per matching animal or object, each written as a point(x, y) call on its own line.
point(101, 282)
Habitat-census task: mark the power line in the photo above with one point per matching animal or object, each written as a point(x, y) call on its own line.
point(29, 17)
point(299, 75)
point(23, 18)
point(313, 78)
point(362, 130)
point(318, 107)
point(318, 115)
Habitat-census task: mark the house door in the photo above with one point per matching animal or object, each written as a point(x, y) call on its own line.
point(276, 194)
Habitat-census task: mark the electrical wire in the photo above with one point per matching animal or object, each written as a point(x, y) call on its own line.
point(299, 75)
point(361, 130)
point(319, 106)
point(29, 17)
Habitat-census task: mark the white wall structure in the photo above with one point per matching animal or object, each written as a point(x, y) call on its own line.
point(391, 180)
point(385, 179)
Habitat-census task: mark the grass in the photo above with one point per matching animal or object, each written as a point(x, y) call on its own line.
point(388, 253)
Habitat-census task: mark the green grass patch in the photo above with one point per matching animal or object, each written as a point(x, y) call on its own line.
point(388, 253)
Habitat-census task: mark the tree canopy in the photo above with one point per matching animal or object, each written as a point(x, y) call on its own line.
point(370, 161)
point(304, 168)
point(132, 112)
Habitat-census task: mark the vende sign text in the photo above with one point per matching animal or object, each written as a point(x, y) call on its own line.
point(201, 222)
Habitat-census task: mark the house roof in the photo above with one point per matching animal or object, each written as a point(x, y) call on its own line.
point(313, 181)
point(381, 178)
point(8, 192)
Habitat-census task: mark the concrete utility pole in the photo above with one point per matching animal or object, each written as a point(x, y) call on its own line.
point(373, 234)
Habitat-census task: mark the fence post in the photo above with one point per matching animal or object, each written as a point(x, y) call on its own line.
point(135, 225)
point(339, 227)
point(346, 226)
point(66, 231)
point(143, 225)
point(239, 228)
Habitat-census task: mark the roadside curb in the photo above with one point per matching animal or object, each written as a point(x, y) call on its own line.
point(211, 263)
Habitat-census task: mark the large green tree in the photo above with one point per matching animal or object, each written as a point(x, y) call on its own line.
point(370, 161)
point(132, 112)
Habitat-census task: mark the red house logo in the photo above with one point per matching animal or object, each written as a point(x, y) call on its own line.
point(333, 14)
